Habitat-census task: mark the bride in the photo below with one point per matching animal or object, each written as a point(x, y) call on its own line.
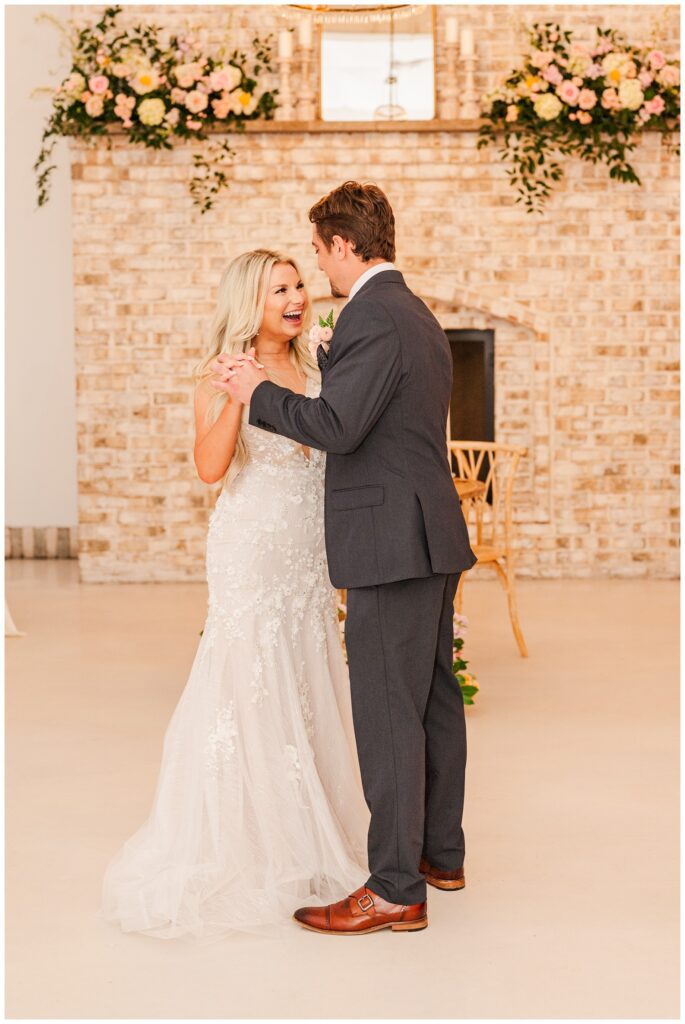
point(258, 806)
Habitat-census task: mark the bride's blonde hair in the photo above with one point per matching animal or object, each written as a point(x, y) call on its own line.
point(237, 318)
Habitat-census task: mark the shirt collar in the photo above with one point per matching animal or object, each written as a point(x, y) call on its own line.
point(367, 275)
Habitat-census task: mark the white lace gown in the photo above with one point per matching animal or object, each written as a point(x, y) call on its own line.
point(258, 807)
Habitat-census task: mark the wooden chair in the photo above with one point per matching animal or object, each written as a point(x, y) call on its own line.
point(496, 465)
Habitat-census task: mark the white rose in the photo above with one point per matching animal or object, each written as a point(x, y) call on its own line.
point(151, 111)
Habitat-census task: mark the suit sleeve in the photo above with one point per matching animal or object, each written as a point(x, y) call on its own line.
point(363, 373)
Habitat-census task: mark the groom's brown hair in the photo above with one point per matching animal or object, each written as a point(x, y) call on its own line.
point(360, 214)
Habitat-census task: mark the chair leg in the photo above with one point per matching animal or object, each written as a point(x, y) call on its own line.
point(458, 597)
point(508, 584)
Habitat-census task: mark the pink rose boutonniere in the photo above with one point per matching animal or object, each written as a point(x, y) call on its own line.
point(321, 334)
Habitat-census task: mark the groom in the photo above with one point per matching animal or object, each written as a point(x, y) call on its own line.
point(396, 539)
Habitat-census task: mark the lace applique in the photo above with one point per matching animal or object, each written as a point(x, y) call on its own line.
point(221, 739)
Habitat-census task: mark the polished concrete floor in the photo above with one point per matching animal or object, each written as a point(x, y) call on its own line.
point(571, 904)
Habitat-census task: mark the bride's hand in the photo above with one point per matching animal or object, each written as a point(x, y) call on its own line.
point(226, 365)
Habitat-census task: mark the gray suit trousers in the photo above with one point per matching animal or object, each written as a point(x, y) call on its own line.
point(410, 729)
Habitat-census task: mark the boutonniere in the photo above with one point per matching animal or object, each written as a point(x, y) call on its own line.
point(321, 334)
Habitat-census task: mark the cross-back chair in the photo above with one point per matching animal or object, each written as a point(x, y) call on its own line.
point(489, 514)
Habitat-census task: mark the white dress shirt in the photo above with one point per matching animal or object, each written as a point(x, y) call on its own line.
point(367, 275)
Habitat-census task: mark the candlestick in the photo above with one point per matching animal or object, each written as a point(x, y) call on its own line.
point(451, 30)
point(467, 42)
point(470, 107)
point(285, 110)
point(285, 44)
point(448, 97)
point(306, 100)
point(304, 33)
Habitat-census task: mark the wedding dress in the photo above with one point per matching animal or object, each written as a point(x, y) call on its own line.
point(258, 807)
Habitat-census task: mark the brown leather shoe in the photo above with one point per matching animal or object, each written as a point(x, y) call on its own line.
point(363, 911)
point(442, 879)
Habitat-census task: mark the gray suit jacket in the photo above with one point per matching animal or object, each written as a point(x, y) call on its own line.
point(392, 511)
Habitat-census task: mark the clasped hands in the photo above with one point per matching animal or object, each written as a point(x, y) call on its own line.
point(238, 375)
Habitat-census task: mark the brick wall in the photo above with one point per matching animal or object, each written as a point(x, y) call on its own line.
point(583, 302)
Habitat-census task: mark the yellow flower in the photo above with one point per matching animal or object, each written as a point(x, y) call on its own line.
point(151, 111)
point(547, 106)
point(145, 80)
point(630, 94)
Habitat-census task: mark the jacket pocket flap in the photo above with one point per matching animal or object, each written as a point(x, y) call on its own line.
point(357, 497)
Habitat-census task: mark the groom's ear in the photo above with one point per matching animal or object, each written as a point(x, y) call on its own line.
point(339, 247)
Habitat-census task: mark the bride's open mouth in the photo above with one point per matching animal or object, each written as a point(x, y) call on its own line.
point(294, 317)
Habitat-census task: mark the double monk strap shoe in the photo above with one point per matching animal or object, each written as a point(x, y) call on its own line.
point(449, 880)
point(363, 911)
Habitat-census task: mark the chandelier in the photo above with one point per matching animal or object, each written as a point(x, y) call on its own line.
point(341, 14)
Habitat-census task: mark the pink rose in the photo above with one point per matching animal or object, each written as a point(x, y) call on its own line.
point(222, 107)
point(584, 117)
point(326, 334)
point(194, 125)
point(587, 99)
point(541, 58)
point(656, 58)
point(98, 84)
point(568, 92)
point(610, 100)
point(645, 79)
point(577, 80)
point(655, 106)
point(669, 75)
point(178, 95)
point(553, 74)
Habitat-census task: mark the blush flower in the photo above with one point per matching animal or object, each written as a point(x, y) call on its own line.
point(568, 92)
point(196, 101)
point(98, 84)
point(669, 75)
point(610, 100)
point(656, 59)
point(587, 99)
point(224, 79)
point(553, 75)
point(95, 106)
point(655, 106)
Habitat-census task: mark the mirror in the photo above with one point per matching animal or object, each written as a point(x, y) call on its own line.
point(380, 70)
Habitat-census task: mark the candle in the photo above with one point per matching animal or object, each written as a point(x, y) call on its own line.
point(304, 33)
point(285, 44)
point(466, 42)
point(451, 30)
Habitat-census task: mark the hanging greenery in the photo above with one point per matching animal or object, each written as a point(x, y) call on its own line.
point(590, 102)
point(157, 91)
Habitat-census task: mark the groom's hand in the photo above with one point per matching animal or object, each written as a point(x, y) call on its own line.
point(238, 375)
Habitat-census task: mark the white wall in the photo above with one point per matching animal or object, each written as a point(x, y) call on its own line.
point(40, 483)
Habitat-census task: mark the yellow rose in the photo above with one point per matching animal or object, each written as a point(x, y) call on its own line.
point(547, 106)
point(151, 111)
point(630, 94)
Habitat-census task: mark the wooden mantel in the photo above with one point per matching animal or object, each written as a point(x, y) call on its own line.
point(435, 125)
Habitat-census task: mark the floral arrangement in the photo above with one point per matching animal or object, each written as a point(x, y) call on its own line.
point(467, 681)
point(321, 334)
point(156, 90)
point(590, 102)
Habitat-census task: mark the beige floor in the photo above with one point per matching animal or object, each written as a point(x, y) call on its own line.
point(571, 905)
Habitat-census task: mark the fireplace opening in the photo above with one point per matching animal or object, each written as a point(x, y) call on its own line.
point(472, 406)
